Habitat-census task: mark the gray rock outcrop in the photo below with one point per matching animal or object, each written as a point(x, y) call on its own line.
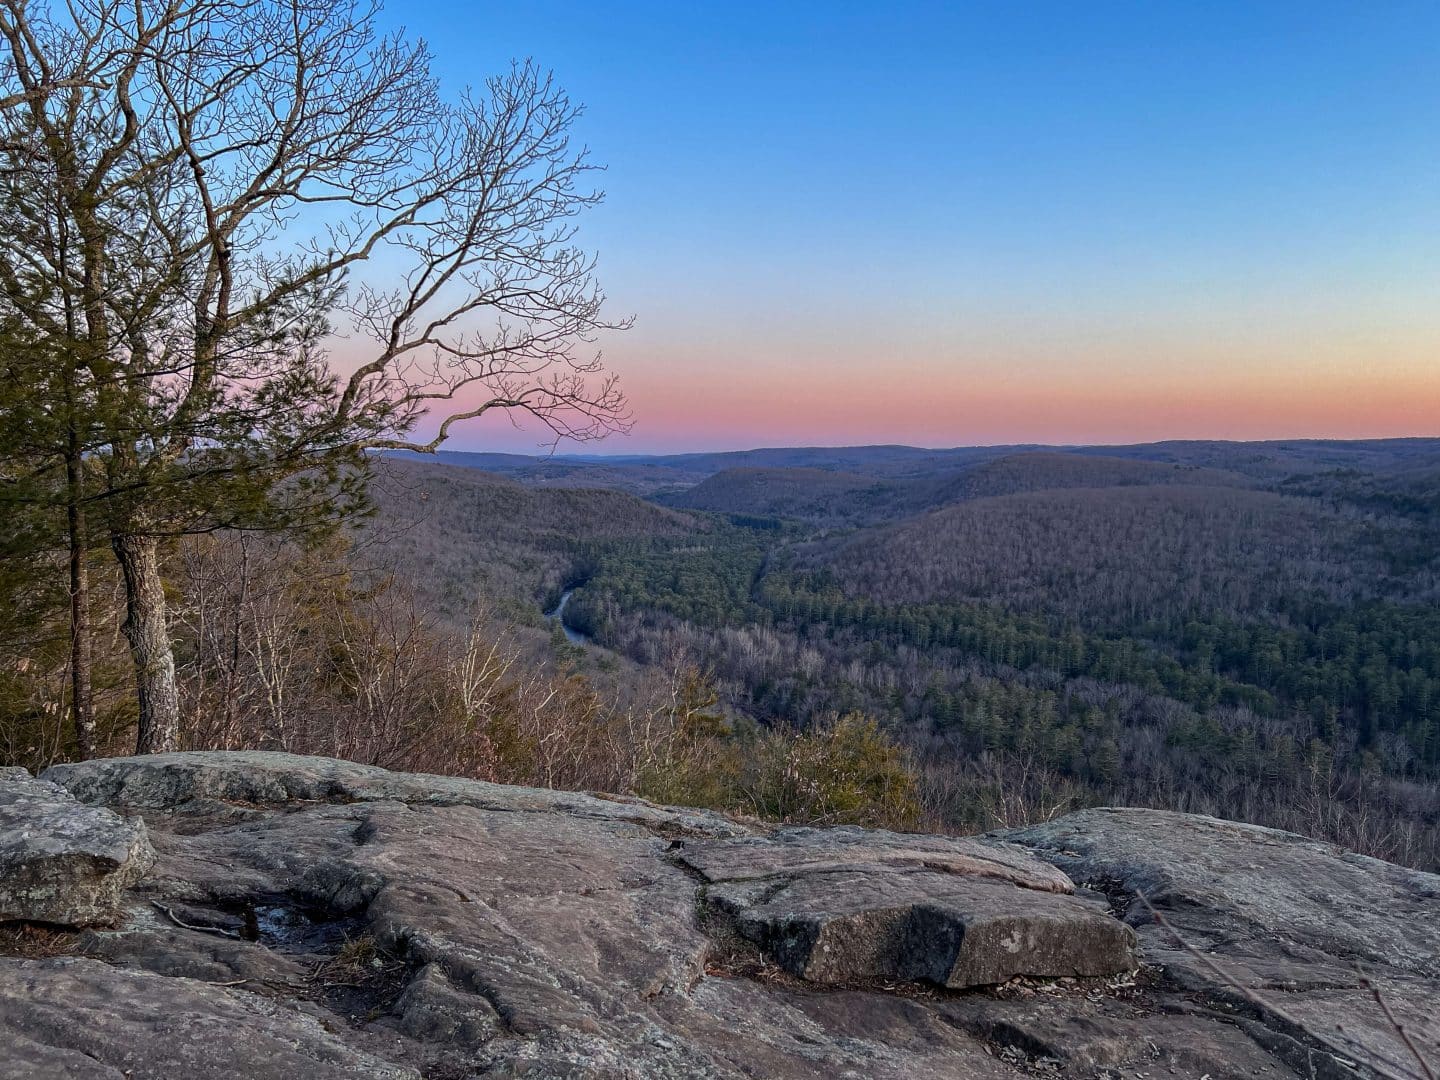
point(62, 861)
point(309, 917)
point(1306, 943)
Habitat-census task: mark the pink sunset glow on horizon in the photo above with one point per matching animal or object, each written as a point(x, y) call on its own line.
point(697, 404)
point(682, 418)
point(1193, 235)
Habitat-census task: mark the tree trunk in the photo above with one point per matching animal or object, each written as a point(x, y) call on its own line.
point(148, 632)
point(82, 701)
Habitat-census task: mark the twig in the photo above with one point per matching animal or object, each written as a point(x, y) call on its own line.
point(1383, 1066)
point(200, 929)
point(1425, 1069)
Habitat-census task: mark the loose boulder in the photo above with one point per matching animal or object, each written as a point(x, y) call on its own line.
point(62, 862)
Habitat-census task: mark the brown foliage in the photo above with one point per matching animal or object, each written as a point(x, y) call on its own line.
point(288, 649)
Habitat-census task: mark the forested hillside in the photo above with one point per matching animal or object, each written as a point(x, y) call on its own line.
point(1249, 631)
point(464, 534)
point(556, 471)
point(1114, 557)
point(833, 496)
point(1049, 471)
point(803, 493)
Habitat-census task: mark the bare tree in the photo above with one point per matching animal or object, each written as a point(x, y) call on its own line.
point(246, 187)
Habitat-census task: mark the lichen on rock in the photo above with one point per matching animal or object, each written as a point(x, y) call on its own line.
point(62, 862)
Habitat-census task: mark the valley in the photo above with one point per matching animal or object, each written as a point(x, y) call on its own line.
point(1247, 630)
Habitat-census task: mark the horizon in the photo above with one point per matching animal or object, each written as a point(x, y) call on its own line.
point(449, 448)
point(994, 225)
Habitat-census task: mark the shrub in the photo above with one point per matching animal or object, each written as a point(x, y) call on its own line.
point(845, 771)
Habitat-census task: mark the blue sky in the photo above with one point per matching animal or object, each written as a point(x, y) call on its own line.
point(1000, 222)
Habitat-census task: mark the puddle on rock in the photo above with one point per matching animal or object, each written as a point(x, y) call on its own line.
point(289, 928)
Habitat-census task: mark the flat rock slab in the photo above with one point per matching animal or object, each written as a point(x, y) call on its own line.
point(195, 782)
point(63, 862)
point(1226, 879)
point(860, 906)
point(72, 1017)
point(797, 851)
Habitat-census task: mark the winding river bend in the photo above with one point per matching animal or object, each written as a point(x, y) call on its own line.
point(575, 637)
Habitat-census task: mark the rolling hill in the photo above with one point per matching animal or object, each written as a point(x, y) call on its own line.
point(1110, 556)
point(826, 497)
point(458, 533)
point(1265, 462)
point(799, 492)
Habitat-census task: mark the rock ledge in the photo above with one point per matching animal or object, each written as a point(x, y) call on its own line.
point(317, 918)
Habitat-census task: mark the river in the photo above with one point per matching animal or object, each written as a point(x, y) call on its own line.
point(575, 637)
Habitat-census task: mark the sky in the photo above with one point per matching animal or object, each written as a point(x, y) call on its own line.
point(1007, 222)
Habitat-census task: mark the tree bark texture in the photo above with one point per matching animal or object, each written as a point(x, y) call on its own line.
point(147, 630)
